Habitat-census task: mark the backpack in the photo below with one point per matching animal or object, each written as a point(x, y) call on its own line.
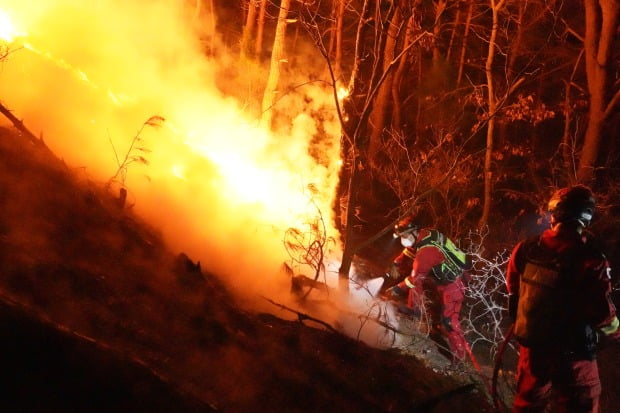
point(547, 293)
point(455, 262)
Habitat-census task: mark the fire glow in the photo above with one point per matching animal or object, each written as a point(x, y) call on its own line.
point(8, 32)
point(221, 188)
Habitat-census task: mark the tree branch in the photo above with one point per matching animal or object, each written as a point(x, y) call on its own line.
point(302, 316)
point(19, 125)
point(612, 104)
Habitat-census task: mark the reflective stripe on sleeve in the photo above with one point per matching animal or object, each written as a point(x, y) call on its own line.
point(612, 327)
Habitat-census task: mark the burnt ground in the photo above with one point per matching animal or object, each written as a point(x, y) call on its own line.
point(98, 315)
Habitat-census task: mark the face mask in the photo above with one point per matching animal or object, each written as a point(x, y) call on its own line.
point(407, 241)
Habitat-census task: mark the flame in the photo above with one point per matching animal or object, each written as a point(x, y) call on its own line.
point(8, 31)
point(11, 35)
point(178, 171)
point(217, 181)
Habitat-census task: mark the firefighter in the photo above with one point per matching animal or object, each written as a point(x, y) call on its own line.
point(403, 263)
point(559, 298)
point(436, 272)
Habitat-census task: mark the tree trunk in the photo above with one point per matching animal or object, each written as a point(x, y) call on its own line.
point(355, 108)
point(457, 23)
point(258, 47)
point(601, 27)
point(277, 53)
point(382, 103)
point(440, 7)
point(339, 12)
point(516, 44)
point(248, 29)
point(420, 99)
point(398, 76)
point(464, 43)
point(568, 145)
point(492, 108)
point(212, 26)
point(514, 49)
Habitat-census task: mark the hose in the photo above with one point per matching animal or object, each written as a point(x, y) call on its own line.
point(497, 401)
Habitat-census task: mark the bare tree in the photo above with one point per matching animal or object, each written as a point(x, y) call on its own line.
point(366, 79)
point(412, 27)
point(470, 8)
point(248, 28)
point(260, 27)
point(382, 104)
point(439, 7)
point(492, 102)
point(568, 144)
point(336, 38)
point(277, 58)
point(602, 17)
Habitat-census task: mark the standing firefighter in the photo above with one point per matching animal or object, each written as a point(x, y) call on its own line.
point(436, 268)
point(559, 297)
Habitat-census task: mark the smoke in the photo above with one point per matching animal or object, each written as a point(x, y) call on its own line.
point(86, 76)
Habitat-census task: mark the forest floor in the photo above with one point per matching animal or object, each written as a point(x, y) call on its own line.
point(99, 315)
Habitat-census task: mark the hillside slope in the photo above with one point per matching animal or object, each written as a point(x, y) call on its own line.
point(101, 316)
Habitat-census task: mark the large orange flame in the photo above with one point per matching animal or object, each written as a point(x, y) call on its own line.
point(220, 187)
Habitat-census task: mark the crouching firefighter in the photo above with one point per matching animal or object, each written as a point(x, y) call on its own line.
point(559, 298)
point(403, 263)
point(437, 270)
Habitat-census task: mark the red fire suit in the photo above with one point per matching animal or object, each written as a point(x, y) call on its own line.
point(404, 262)
point(560, 294)
point(445, 298)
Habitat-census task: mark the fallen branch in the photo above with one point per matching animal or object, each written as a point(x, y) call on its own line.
point(19, 125)
point(378, 321)
point(302, 316)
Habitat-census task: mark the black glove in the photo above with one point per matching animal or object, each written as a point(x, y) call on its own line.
point(395, 293)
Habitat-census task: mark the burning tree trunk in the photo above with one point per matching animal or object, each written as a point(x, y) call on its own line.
point(601, 27)
point(277, 57)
